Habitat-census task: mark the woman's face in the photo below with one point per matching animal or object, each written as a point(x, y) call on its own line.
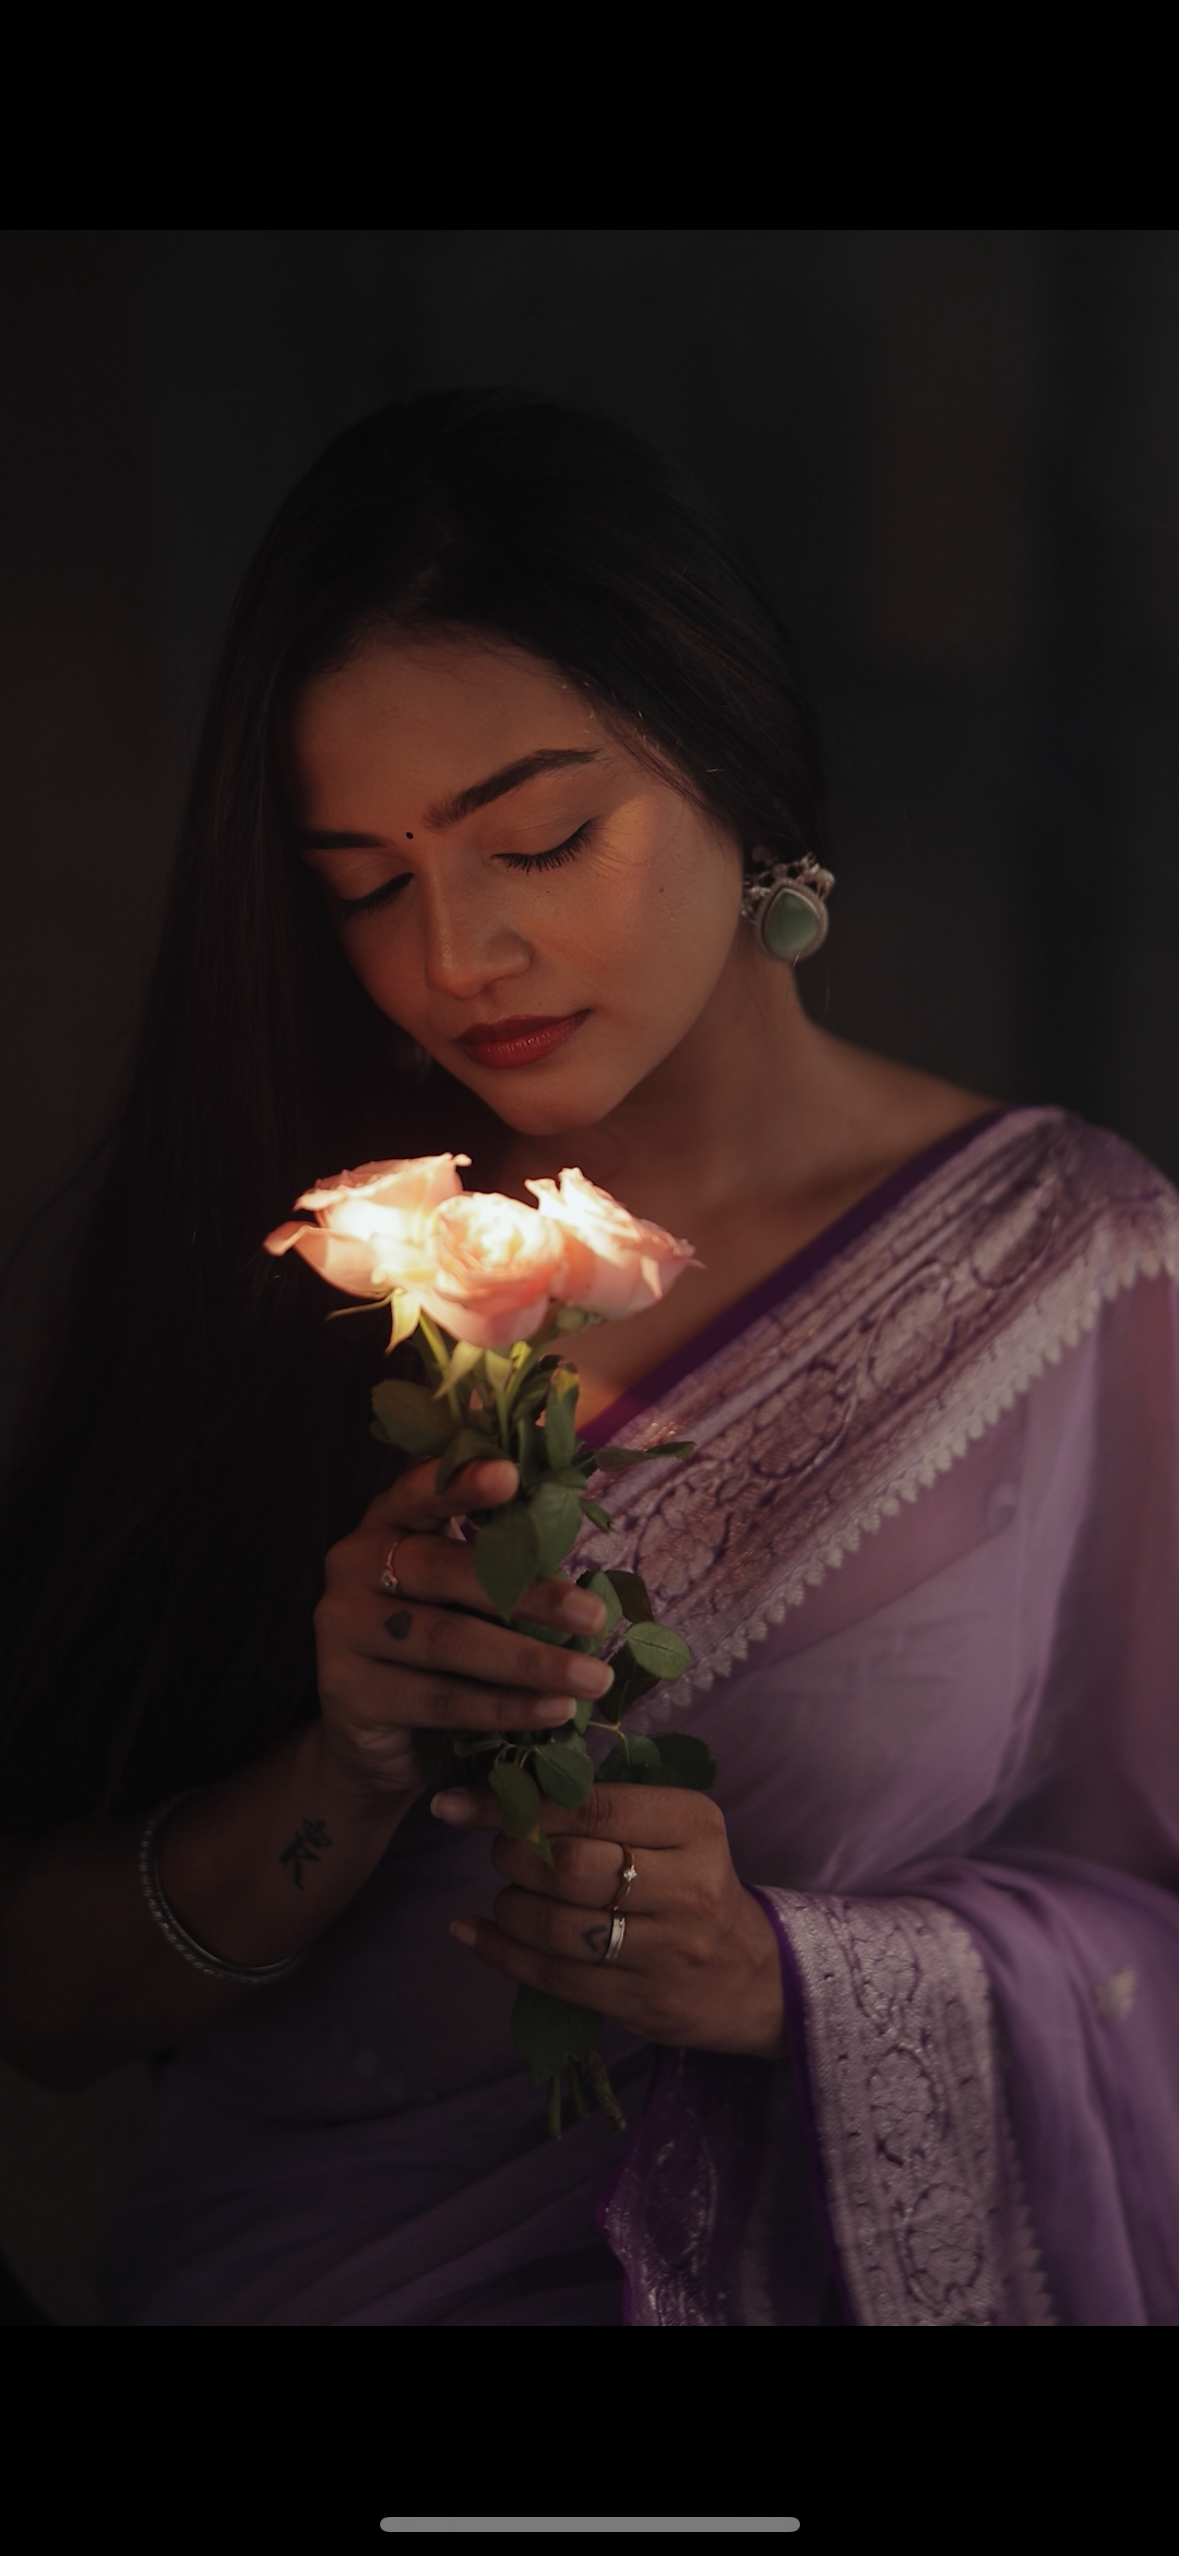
point(540, 911)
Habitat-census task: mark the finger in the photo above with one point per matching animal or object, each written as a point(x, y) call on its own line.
point(435, 1568)
point(417, 1700)
point(581, 1983)
point(643, 1814)
point(572, 1934)
point(469, 1646)
point(413, 1502)
point(586, 1872)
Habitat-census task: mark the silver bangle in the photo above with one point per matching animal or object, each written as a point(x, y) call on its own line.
point(169, 1923)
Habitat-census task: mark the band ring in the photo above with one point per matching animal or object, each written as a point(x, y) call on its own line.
point(389, 1584)
point(617, 1938)
point(626, 1878)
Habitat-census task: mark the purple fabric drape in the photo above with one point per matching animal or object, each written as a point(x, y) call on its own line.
point(924, 1558)
point(966, 1829)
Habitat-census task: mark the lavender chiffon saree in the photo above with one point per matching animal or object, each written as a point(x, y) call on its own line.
point(925, 1559)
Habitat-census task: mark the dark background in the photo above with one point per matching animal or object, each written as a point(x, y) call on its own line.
point(953, 457)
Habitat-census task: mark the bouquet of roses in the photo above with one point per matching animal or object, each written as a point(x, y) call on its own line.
point(491, 1292)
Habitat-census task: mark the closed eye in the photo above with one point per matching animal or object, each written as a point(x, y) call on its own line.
point(553, 860)
point(390, 888)
point(381, 895)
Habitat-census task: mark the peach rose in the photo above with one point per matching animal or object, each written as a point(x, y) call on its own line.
point(372, 1226)
point(615, 1263)
point(497, 1267)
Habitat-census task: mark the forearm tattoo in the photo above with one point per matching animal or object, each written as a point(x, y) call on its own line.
point(306, 1847)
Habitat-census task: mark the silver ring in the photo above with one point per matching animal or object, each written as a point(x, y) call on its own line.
point(616, 1941)
point(389, 1584)
point(626, 1877)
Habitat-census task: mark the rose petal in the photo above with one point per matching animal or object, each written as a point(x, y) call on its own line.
point(282, 1239)
point(346, 1265)
point(483, 1328)
point(410, 1183)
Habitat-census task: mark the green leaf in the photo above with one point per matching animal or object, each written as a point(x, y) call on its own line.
point(583, 1712)
point(556, 1516)
point(518, 1798)
point(686, 1761)
point(658, 1650)
point(529, 1451)
point(560, 1434)
point(634, 1761)
point(469, 1446)
point(597, 1517)
point(630, 1682)
point(604, 1585)
point(507, 1556)
point(631, 1596)
point(564, 1770)
point(410, 1417)
point(547, 2033)
point(617, 1459)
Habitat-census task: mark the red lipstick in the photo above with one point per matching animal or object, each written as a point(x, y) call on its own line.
point(519, 1042)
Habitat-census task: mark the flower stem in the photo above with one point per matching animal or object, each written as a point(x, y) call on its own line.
point(555, 2106)
point(434, 1343)
point(603, 2089)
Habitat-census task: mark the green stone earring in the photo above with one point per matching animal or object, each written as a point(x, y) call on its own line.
point(786, 902)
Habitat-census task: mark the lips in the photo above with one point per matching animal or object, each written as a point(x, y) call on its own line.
point(519, 1042)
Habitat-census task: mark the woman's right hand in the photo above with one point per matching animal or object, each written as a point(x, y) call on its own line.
point(389, 1666)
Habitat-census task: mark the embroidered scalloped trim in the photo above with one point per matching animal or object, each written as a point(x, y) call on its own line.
point(988, 1275)
point(940, 1456)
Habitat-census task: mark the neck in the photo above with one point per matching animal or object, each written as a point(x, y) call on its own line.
point(747, 1101)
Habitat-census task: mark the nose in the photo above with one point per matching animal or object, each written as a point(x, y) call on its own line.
point(469, 942)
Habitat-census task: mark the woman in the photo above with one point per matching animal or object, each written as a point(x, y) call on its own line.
point(503, 755)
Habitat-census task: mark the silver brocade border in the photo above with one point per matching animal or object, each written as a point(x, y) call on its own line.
point(921, 2176)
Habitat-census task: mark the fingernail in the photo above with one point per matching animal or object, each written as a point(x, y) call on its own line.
point(454, 1806)
point(582, 1612)
point(589, 1677)
point(463, 1931)
point(552, 1708)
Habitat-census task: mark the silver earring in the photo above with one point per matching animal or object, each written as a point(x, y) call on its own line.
point(786, 902)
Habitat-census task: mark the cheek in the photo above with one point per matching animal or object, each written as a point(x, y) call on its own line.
point(631, 914)
point(670, 935)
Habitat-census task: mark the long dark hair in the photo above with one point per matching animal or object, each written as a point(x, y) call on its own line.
point(204, 1438)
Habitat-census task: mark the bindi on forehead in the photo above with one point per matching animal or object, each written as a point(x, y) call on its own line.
point(464, 803)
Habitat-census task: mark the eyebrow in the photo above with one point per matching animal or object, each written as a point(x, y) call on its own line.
point(447, 812)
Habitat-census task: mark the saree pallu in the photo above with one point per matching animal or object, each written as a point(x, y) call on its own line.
point(924, 1558)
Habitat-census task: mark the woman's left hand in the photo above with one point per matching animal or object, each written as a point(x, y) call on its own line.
point(699, 1966)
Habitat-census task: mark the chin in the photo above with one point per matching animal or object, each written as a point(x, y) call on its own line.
point(536, 1118)
point(560, 1109)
